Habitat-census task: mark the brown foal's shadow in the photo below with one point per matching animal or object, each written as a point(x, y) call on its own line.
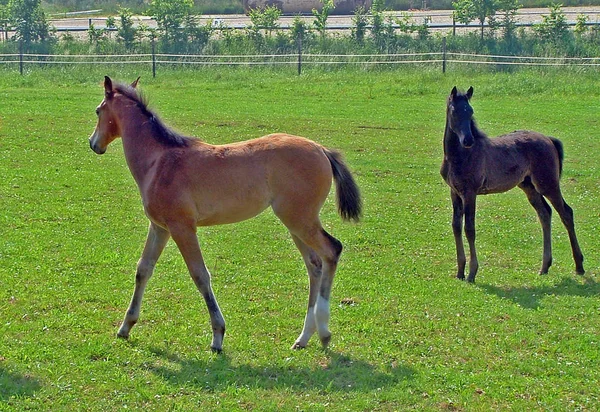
point(530, 297)
point(340, 374)
point(12, 384)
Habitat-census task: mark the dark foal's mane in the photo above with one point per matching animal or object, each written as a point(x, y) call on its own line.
point(477, 132)
point(161, 132)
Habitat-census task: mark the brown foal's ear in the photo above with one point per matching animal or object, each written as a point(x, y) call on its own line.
point(108, 87)
point(134, 84)
point(470, 93)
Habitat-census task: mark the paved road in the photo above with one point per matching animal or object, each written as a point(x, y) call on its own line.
point(435, 17)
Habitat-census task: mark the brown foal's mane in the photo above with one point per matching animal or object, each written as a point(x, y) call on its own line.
point(161, 132)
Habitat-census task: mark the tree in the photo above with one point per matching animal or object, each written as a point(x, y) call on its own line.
point(508, 9)
point(554, 27)
point(465, 11)
point(28, 20)
point(265, 19)
point(299, 28)
point(169, 16)
point(4, 19)
point(126, 33)
point(359, 24)
point(321, 17)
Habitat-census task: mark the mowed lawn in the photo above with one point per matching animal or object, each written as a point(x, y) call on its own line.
point(406, 334)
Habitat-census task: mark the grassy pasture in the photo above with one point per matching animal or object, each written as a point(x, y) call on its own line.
point(406, 334)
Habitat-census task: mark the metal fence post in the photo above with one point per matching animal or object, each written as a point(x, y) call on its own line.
point(153, 59)
point(299, 54)
point(21, 57)
point(443, 55)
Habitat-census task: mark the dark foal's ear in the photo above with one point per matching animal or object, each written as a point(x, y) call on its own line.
point(470, 93)
point(453, 92)
point(134, 84)
point(108, 87)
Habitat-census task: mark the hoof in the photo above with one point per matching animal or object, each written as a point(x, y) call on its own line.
point(460, 277)
point(122, 335)
point(471, 279)
point(325, 341)
point(298, 345)
point(580, 272)
point(218, 351)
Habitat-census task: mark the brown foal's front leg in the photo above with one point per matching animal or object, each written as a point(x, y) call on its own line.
point(155, 243)
point(187, 242)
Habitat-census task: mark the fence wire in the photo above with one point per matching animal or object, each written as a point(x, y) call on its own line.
point(308, 59)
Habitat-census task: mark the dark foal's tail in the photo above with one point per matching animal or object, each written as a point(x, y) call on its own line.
point(561, 153)
point(348, 196)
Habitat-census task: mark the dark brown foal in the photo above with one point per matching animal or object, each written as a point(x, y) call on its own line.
point(477, 165)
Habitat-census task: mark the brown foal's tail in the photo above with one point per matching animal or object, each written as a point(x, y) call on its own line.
point(348, 196)
point(561, 153)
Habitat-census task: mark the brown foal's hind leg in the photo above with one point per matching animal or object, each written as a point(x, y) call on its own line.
point(328, 250)
point(187, 242)
point(155, 243)
point(314, 266)
point(566, 216)
point(544, 212)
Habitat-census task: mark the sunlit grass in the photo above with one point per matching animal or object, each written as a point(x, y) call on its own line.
point(407, 335)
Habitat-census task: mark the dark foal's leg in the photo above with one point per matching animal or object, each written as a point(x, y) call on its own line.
point(187, 242)
point(155, 243)
point(457, 218)
point(566, 216)
point(469, 209)
point(544, 212)
point(314, 266)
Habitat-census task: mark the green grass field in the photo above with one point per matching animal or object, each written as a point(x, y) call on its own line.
point(406, 334)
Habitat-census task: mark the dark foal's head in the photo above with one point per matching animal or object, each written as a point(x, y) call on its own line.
point(459, 116)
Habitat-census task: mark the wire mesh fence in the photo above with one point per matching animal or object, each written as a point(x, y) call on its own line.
point(442, 59)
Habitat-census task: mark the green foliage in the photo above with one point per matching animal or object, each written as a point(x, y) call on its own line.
point(126, 32)
point(29, 21)
point(508, 9)
point(170, 16)
point(382, 29)
point(321, 17)
point(580, 26)
point(96, 36)
point(265, 19)
point(299, 28)
point(360, 20)
point(553, 28)
point(465, 11)
point(4, 18)
point(373, 32)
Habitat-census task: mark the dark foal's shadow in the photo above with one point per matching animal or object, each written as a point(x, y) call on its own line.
point(339, 374)
point(12, 384)
point(530, 297)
